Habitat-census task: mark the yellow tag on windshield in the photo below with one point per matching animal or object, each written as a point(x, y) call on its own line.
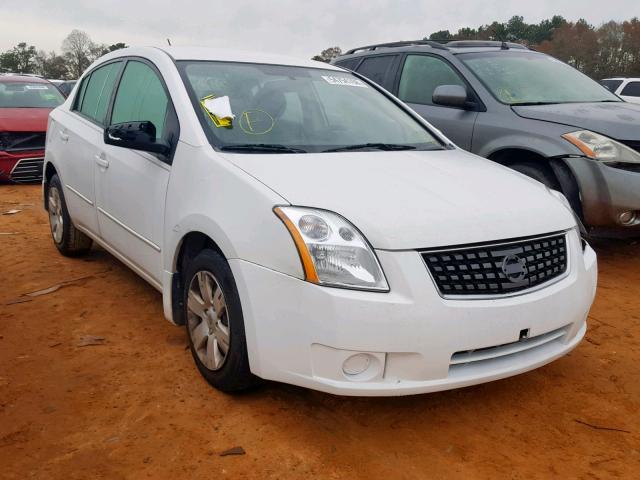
point(219, 110)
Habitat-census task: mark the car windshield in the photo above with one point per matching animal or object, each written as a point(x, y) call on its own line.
point(532, 78)
point(29, 95)
point(289, 109)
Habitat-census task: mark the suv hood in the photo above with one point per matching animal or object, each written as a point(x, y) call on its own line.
point(24, 119)
point(407, 200)
point(617, 120)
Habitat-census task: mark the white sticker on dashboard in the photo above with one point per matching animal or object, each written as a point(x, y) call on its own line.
point(36, 87)
point(345, 81)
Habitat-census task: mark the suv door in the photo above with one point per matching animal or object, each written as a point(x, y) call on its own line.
point(421, 74)
point(131, 185)
point(76, 139)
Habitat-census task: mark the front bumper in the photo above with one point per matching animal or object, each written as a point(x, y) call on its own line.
point(21, 167)
point(301, 333)
point(606, 192)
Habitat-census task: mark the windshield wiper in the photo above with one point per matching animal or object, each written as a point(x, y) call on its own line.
point(261, 147)
point(374, 146)
point(528, 104)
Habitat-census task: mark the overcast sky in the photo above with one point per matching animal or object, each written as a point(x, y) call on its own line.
point(295, 27)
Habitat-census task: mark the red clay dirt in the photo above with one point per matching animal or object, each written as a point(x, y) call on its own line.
point(130, 403)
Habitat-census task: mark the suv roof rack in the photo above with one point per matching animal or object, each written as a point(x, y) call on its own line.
point(405, 43)
point(484, 43)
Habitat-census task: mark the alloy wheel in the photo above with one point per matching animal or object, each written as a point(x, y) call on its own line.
point(208, 321)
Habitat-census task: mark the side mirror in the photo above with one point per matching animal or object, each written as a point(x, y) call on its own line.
point(137, 136)
point(450, 96)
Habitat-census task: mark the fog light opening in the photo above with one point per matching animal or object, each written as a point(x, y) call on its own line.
point(356, 364)
point(628, 218)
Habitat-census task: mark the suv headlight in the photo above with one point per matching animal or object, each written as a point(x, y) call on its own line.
point(599, 147)
point(333, 252)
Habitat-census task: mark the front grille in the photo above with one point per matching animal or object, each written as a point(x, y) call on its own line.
point(27, 170)
point(459, 360)
point(498, 269)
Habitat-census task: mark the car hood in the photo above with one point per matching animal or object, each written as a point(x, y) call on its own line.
point(408, 200)
point(618, 120)
point(24, 119)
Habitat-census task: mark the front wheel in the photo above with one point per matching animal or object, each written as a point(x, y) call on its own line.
point(70, 241)
point(215, 325)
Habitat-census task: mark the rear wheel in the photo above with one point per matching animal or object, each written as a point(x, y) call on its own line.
point(215, 325)
point(70, 241)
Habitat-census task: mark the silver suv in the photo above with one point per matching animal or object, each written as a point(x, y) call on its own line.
point(525, 110)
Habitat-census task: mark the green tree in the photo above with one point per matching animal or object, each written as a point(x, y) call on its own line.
point(51, 65)
point(327, 54)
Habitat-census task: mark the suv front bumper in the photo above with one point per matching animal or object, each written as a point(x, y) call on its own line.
point(412, 339)
point(606, 192)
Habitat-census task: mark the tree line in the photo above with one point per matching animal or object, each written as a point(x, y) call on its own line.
point(611, 49)
point(78, 51)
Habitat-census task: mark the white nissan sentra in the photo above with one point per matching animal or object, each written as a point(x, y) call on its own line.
point(307, 227)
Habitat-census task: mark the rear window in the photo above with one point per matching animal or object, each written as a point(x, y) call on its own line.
point(29, 95)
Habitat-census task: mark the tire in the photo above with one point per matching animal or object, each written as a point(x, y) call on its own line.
point(214, 322)
point(69, 241)
point(541, 173)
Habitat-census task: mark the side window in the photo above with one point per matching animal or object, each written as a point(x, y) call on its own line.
point(96, 92)
point(349, 64)
point(378, 69)
point(631, 89)
point(140, 97)
point(420, 77)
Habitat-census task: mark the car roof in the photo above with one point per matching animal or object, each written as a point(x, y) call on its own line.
point(224, 55)
point(21, 79)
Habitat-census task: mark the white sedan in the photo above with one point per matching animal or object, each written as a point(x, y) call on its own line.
point(309, 228)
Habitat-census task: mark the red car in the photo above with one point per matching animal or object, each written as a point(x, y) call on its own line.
point(25, 103)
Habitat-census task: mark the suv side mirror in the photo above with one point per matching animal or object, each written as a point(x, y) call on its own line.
point(137, 136)
point(450, 96)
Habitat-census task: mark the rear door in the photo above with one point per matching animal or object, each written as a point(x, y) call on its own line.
point(421, 74)
point(78, 137)
point(131, 185)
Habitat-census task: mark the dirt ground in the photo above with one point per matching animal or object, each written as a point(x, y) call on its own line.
point(132, 405)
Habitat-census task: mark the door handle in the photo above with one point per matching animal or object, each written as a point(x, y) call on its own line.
point(101, 161)
point(63, 136)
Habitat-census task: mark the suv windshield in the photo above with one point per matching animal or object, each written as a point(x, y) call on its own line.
point(531, 78)
point(29, 95)
point(284, 109)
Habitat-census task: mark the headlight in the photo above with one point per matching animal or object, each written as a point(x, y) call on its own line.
point(333, 252)
point(599, 147)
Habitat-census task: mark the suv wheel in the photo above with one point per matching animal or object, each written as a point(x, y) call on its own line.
point(215, 325)
point(541, 173)
point(70, 241)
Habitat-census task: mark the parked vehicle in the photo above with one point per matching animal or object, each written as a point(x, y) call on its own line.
point(525, 110)
point(25, 103)
point(627, 89)
point(66, 87)
point(308, 228)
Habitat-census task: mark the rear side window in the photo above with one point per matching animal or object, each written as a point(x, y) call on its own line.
point(631, 89)
point(141, 97)
point(611, 84)
point(378, 69)
point(421, 75)
point(94, 96)
point(349, 64)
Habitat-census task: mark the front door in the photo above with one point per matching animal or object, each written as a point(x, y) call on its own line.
point(420, 76)
point(131, 185)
